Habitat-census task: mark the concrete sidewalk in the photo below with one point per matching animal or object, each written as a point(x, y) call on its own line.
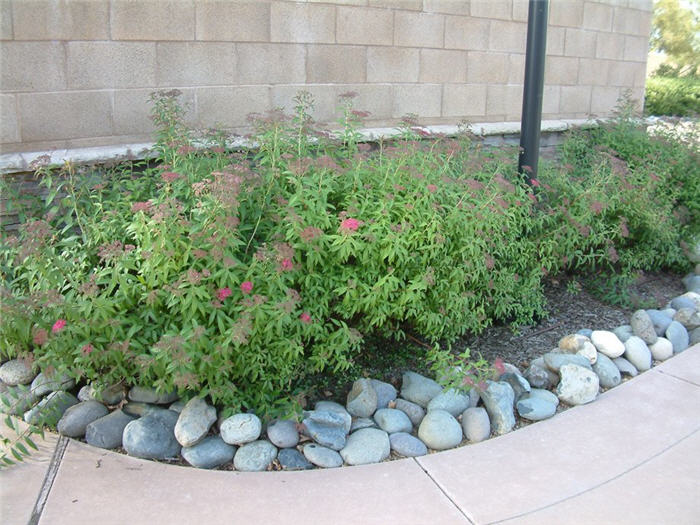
point(630, 457)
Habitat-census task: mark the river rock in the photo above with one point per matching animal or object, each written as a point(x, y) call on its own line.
point(623, 332)
point(16, 372)
point(695, 336)
point(608, 373)
point(451, 401)
point(392, 420)
point(539, 376)
point(240, 428)
point(499, 400)
point(151, 395)
point(643, 327)
point(386, 393)
point(476, 424)
point(607, 343)
point(535, 408)
point(419, 389)
point(439, 430)
point(76, 418)
point(682, 301)
point(140, 409)
point(178, 406)
point(518, 383)
point(555, 361)
point(363, 422)
point(544, 395)
point(578, 384)
point(637, 352)
point(323, 457)
point(326, 428)
point(589, 352)
point(107, 431)
point(109, 395)
point(367, 445)
point(283, 433)
point(660, 321)
point(50, 409)
point(414, 412)
point(625, 367)
point(292, 459)
point(362, 399)
point(194, 422)
point(662, 349)
point(678, 335)
point(152, 436)
point(691, 281)
point(43, 384)
point(406, 445)
point(210, 452)
point(16, 400)
point(255, 456)
point(585, 331)
point(688, 317)
point(337, 408)
point(572, 343)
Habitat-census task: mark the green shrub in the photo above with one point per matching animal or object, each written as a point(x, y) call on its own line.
point(672, 96)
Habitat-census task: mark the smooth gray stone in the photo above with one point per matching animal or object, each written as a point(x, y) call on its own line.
point(50, 409)
point(17, 400)
point(518, 383)
point(337, 408)
point(414, 412)
point(177, 406)
point(107, 431)
point(407, 445)
point(678, 335)
point(623, 332)
point(637, 352)
point(440, 430)
point(499, 400)
point(535, 409)
point(140, 409)
point(682, 302)
point(76, 418)
point(109, 395)
point(255, 456)
point(555, 361)
point(585, 332)
point(625, 367)
point(42, 384)
point(392, 420)
point(292, 459)
point(194, 422)
point(419, 389)
point(688, 317)
point(578, 385)
point(283, 433)
point(210, 452)
point(142, 394)
point(16, 372)
point(240, 428)
point(691, 282)
point(662, 349)
point(608, 372)
point(643, 327)
point(476, 424)
point(152, 436)
point(695, 336)
point(539, 376)
point(385, 393)
point(323, 457)
point(367, 445)
point(363, 422)
point(326, 428)
point(660, 321)
point(451, 401)
point(545, 395)
point(362, 399)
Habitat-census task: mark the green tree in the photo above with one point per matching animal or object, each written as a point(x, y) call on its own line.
point(676, 32)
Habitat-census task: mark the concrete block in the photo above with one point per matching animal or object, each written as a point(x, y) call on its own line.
point(610, 45)
point(487, 68)
point(550, 99)
point(196, 63)
point(644, 5)
point(640, 75)
point(632, 22)
point(390, 64)
point(443, 65)
point(94, 65)
point(229, 107)
point(271, 63)
point(67, 115)
point(413, 5)
point(520, 10)
point(504, 100)
point(337, 64)
point(568, 13)
point(6, 32)
point(152, 20)
point(593, 72)
point(492, 9)
point(132, 110)
point(425, 100)
point(60, 19)
point(466, 33)
point(325, 108)
point(508, 36)
point(358, 25)
point(464, 100)
point(449, 7)
point(556, 39)
point(561, 70)
point(575, 99)
point(418, 29)
point(622, 74)
point(32, 66)
point(603, 100)
point(239, 21)
point(361, 3)
point(579, 43)
point(290, 22)
point(377, 99)
point(9, 125)
point(516, 68)
point(597, 16)
point(636, 48)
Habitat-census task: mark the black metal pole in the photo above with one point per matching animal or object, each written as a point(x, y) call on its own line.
point(531, 119)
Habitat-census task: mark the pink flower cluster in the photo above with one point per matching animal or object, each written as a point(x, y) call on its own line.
point(58, 326)
point(349, 225)
point(223, 293)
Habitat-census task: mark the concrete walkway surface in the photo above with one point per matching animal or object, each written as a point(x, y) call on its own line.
point(630, 457)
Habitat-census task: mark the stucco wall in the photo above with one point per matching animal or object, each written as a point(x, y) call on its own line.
point(78, 73)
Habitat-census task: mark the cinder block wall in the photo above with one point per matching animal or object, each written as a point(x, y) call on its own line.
point(78, 73)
